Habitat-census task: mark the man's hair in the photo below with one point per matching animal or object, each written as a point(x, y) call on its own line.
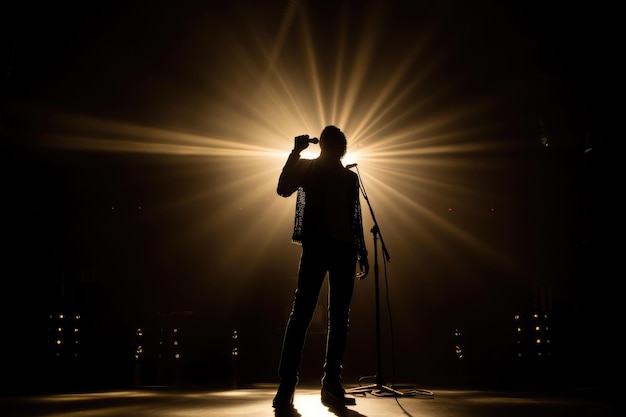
point(333, 141)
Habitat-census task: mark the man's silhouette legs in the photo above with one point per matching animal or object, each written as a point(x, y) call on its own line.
point(310, 278)
point(341, 279)
point(339, 260)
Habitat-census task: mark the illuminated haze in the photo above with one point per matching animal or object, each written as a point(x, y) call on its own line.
point(175, 124)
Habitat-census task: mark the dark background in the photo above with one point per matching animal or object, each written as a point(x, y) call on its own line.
point(106, 234)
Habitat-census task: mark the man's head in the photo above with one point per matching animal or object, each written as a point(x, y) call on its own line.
point(333, 142)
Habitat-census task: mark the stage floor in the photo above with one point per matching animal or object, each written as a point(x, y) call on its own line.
point(255, 401)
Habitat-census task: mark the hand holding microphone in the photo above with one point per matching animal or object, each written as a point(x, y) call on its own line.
point(301, 142)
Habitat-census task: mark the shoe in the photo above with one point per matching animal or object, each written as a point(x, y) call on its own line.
point(335, 397)
point(283, 397)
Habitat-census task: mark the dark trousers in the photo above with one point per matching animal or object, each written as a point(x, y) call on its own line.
point(339, 260)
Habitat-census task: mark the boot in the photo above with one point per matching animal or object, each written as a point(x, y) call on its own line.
point(334, 396)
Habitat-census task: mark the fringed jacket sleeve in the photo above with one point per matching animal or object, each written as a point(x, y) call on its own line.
point(357, 226)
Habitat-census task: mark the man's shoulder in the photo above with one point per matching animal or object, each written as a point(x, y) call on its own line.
point(352, 174)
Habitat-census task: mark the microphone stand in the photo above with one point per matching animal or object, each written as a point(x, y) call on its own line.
point(378, 388)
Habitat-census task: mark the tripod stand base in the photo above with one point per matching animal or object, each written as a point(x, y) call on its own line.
point(376, 390)
point(382, 390)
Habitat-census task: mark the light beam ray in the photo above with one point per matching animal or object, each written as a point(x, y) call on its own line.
point(419, 142)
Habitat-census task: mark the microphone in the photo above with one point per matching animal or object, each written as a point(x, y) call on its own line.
point(350, 166)
point(308, 139)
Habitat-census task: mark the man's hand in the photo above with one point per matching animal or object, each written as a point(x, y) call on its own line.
point(364, 267)
point(300, 143)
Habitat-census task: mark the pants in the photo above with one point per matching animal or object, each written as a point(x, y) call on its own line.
point(339, 260)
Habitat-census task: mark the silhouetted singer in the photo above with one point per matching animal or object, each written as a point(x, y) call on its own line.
point(328, 225)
